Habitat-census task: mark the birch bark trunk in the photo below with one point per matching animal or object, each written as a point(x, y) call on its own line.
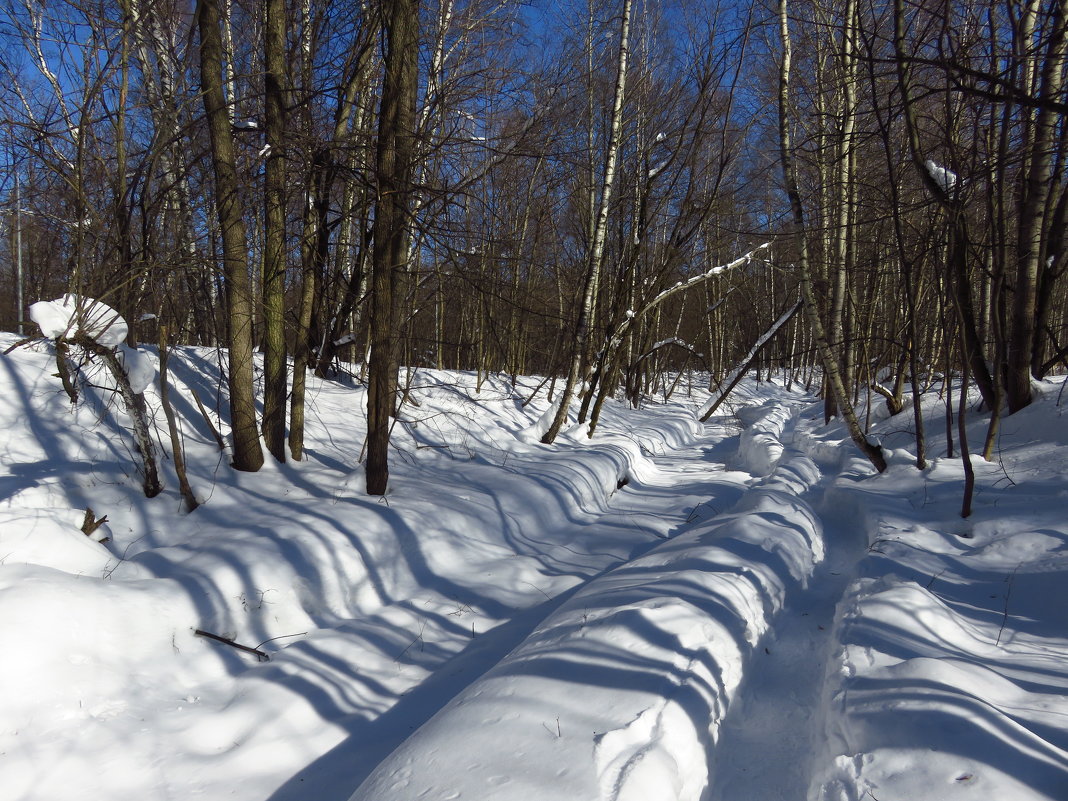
point(831, 368)
point(595, 256)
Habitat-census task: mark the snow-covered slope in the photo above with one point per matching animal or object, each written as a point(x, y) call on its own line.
point(951, 678)
point(596, 620)
point(619, 693)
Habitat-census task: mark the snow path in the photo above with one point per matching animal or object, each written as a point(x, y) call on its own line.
point(677, 489)
point(769, 740)
point(636, 669)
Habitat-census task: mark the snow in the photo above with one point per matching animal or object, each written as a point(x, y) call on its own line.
point(139, 367)
point(645, 656)
point(946, 179)
point(72, 315)
point(674, 610)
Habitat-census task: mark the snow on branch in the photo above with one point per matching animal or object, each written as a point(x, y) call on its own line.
point(670, 341)
point(717, 270)
point(92, 322)
point(99, 330)
point(631, 316)
point(72, 316)
point(946, 179)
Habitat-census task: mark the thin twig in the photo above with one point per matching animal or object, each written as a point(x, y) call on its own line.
point(20, 343)
point(543, 592)
point(281, 637)
point(1008, 593)
point(204, 413)
point(935, 577)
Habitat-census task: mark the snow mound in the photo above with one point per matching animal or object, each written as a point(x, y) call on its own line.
point(140, 368)
point(73, 315)
point(761, 445)
point(650, 757)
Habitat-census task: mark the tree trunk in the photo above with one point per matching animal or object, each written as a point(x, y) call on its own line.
point(959, 241)
point(247, 453)
point(274, 234)
point(873, 452)
point(595, 255)
point(1023, 335)
point(177, 448)
point(396, 148)
point(314, 247)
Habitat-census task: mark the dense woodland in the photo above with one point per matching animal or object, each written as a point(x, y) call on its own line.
point(605, 194)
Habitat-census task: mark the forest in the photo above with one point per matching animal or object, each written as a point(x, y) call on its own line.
point(642, 400)
point(596, 193)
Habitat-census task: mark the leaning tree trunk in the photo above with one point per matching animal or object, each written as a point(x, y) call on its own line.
point(600, 228)
point(135, 407)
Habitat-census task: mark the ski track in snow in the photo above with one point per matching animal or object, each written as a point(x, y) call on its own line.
point(680, 488)
point(642, 662)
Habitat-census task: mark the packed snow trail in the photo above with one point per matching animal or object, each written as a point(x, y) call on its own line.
point(771, 737)
point(637, 668)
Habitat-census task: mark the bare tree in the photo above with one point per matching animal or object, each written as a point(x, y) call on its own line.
point(274, 234)
point(599, 230)
point(828, 357)
point(1041, 134)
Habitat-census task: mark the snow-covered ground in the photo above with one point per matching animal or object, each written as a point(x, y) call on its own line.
point(674, 610)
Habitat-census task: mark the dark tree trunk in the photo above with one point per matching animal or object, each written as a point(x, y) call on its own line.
point(274, 235)
point(396, 148)
point(247, 452)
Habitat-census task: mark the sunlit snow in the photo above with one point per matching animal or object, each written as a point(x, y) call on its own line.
point(672, 611)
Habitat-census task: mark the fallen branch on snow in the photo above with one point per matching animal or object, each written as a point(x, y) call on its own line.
point(263, 656)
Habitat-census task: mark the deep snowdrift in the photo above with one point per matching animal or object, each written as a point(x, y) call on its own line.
point(592, 619)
